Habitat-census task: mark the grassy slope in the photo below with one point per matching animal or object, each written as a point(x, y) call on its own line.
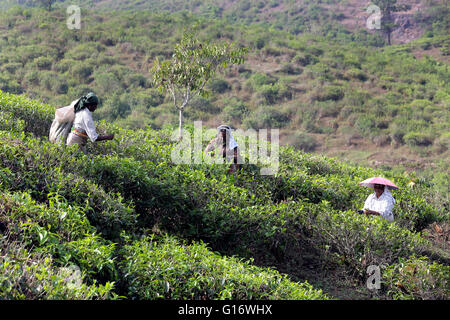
point(109, 218)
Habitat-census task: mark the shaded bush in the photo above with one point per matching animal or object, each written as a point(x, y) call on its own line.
point(194, 272)
point(369, 240)
point(219, 85)
point(304, 142)
point(43, 63)
point(44, 175)
point(31, 276)
point(417, 278)
point(418, 139)
point(304, 59)
point(36, 116)
point(334, 93)
point(266, 117)
point(58, 229)
point(235, 110)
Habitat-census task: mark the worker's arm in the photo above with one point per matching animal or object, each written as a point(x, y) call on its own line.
point(371, 212)
point(385, 210)
point(106, 137)
point(211, 147)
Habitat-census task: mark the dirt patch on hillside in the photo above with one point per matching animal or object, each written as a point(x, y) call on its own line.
point(354, 17)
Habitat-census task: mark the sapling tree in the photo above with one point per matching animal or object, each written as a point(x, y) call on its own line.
point(192, 65)
point(387, 7)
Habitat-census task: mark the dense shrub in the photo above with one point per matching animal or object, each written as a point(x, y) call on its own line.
point(417, 278)
point(418, 139)
point(367, 124)
point(9, 123)
point(43, 63)
point(266, 117)
point(304, 59)
point(81, 72)
point(275, 220)
point(58, 229)
point(219, 85)
point(413, 212)
point(168, 269)
point(334, 93)
point(259, 79)
point(357, 74)
point(235, 110)
point(28, 276)
point(368, 240)
point(304, 142)
point(40, 173)
point(37, 116)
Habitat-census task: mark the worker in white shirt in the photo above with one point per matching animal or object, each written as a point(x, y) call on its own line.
point(227, 146)
point(380, 203)
point(83, 126)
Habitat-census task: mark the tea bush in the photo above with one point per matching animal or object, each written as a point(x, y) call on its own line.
point(28, 276)
point(9, 123)
point(58, 229)
point(418, 139)
point(33, 167)
point(367, 241)
point(167, 269)
point(417, 278)
point(131, 186)
point(37, 117)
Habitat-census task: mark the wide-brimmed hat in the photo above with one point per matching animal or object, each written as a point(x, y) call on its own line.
point(378, 180)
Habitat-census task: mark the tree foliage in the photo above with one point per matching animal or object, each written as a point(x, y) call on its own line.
point(192, 65)
point(388, 7)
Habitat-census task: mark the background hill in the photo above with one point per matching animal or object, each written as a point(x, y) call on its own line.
point(313, 71)
point(294, 16)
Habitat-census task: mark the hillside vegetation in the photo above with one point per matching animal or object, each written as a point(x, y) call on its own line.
point(125, 222)
point(330, 90)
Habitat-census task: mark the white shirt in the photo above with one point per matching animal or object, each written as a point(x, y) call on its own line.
point(384, 204)
point(217, 143)
point(83, 120)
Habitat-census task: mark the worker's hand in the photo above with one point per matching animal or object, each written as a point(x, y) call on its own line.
point(371, 212)
point(106, 137)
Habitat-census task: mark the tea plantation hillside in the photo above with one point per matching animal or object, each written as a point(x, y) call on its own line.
point(330, 90)
point(125, 222)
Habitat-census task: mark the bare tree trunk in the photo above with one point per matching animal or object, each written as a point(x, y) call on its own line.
point(180, 137)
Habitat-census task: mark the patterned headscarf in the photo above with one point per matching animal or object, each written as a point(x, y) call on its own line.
point(85, 101)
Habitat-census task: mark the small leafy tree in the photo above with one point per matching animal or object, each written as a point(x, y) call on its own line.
point(192, 65)
point(387, 7)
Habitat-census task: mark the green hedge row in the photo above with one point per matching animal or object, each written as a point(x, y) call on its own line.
point(167, 268)
point(131, 184)
point(32, 276)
